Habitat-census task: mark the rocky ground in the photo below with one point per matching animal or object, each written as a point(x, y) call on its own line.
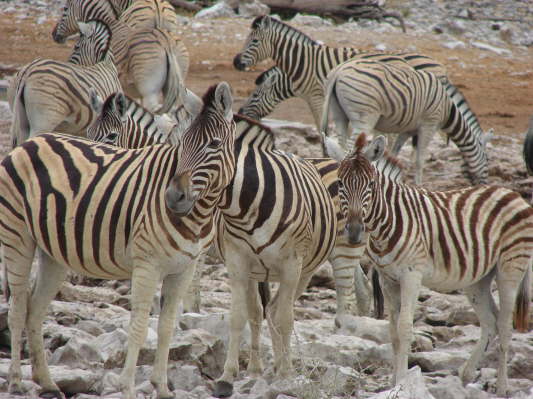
point(490, 59)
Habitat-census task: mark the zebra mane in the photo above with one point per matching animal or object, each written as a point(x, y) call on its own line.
point(264, 131)
point(102, 25)
point(277, 24)
point(264, 75)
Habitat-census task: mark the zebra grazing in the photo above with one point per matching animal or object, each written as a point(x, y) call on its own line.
point(142, 214)
point(51, 95)
point(393, 99)
point(444, 240)
point(149, 14)
point(152, 63)
point(305, 61)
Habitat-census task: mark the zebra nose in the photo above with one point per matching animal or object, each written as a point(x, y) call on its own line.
point(354, 231)
point(237, 63)
point(177, 196)
point(57, 37)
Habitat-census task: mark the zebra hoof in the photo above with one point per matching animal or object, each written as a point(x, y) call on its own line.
point(223, 389)
point(51, 395)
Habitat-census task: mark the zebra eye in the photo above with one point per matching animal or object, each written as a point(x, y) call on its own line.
point(215, 143)
point(254, 41)
point(371, 184)
point(340, 184)
point(111, 138)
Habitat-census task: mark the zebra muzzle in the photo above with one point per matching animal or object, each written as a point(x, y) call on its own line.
point(179, 196)
point(57, 37)
point(354, 232)
point(238, 64)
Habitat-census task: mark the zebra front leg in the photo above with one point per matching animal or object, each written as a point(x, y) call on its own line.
point(17, 260)
point(173, 289)
point(425, 134)
point(144, 282)
point(255, 317)
point(238, 280)
point(410, 283)
point(192, 300)
point(391, 294)
point(481, 299)
point(280, 316)
point(49, 279)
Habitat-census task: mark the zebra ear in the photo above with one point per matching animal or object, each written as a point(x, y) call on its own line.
point(120, 106)
point(224, 100)
point(192, 103)
point(96, 101)
point(376, 149)
point(332, 149)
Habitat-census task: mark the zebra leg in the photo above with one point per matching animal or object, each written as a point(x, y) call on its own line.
point(410, 283)
point(480, 297)
point(144, 282)
point(48, 282)
point(391, 293)
point(425, 134)
point(280, 315)
point(238, 281)
point(17, 260)
point(172, 290)
point(508, 281)
point(192, 300)
point(255, 317)
point(399, 142)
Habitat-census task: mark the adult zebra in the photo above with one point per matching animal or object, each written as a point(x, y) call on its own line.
point(152, 62)
point(142, 214)
point(51, 95)
point(305, 61)
point(444, 240)
point(394, 99)
point(257, 233)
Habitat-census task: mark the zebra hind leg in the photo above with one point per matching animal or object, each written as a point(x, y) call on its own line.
point(48, 282)
point(480, 297)
point(17, 259)
point(508, 280)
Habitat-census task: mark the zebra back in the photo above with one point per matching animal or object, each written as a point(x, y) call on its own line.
point(150, 14)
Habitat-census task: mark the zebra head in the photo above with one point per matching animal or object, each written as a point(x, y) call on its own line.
point(357, 185)
point(81, 10)
point(272, 87)
point(258, 45)
point(206, 160)
point(93, 45)
point(109, 127)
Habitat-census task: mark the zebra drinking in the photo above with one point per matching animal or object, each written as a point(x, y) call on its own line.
point(111, 213)
point(444, 240)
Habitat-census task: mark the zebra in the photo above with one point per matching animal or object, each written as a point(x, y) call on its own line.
point(444, 240)
point(51, 95)
point(305, 61)
point(142, 214)
point(383, 96)
point(253, 230)
point(152, 63)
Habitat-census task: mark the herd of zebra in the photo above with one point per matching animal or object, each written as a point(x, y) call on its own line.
point(142, 190)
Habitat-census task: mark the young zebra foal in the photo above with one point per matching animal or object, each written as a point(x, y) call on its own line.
point(111, 213)
point(448, 240)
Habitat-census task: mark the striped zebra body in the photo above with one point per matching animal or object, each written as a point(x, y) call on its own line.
point(306, 62)
point(254, 233)
point(152, 63)
point(52, 95)
point(444, 240)
point(111, 213)
point(150, 14)
point(378, 96)
point(133, 127)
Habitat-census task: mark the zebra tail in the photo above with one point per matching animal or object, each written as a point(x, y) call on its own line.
point(264, 293)
point(528, 148)
point(330, 91)
point(523, 299)
point(20, 126)
point(379, 307)
point(173, 83)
